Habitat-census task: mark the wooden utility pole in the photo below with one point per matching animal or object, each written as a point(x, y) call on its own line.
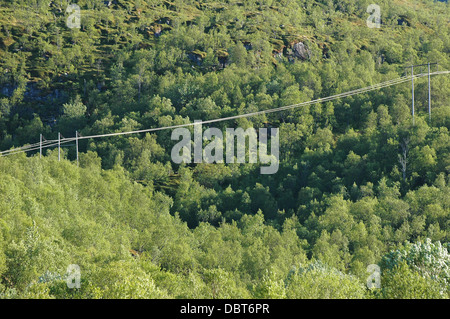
point(59, 146)
point(429, 86)
point(76, 143)
point(429, 91)
point(412, 81)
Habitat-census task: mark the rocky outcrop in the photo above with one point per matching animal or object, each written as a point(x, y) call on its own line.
point(197, 56)
point(297, 51)
point(247, 45)
point(278, 48)
point(222, 57)
point(300, 51)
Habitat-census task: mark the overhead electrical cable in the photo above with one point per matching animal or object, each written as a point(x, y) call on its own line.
point(51, 143)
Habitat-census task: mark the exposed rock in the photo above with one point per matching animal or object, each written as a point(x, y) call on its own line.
point(197, 56)
point(222, 57)
point(277, 54)
point(403, 20)
point(247, 45)
point(278, 48)
point(165, 20)
point(157, 31)
point(301, 51)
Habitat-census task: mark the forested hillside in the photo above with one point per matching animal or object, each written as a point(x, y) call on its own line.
point(359, 182)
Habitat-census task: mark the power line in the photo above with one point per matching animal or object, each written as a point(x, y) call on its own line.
point(28, 146)
point(283, 108)
point(374, 87)
point(16, 151)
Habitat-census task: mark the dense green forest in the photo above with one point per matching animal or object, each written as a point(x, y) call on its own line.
point(358, 182)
